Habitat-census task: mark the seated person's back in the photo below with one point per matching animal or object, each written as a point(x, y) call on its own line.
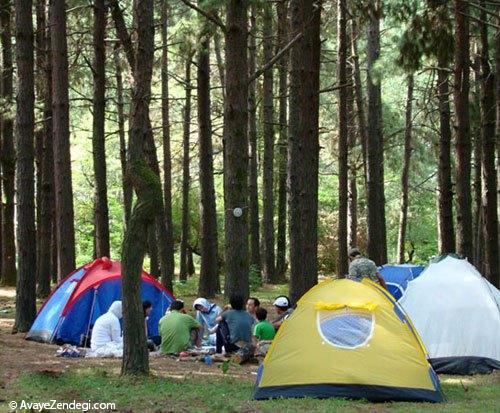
point(175, 329)
point(239, 322)
point(107, 328)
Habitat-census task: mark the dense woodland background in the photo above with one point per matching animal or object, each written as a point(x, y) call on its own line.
point(325, 124)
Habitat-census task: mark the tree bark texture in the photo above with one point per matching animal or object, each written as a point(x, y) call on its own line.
point(64, 213)
point(282, 12)
point(8, 156)
point(185, 171)
point(45, 269)
point(446, 233)
point(253, 185)
point(236, 150)
point(209, 276)
point(148, 188)
point(167, 161)
point(489, 187)
point(376, 243)
point(403, 213)
point(268, 272)
point(462, 130)
point(342, 149)
point(101, 214)
point(25, 176)
point(303, 150)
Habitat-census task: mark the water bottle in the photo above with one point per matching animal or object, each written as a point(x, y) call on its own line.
point(208, 360)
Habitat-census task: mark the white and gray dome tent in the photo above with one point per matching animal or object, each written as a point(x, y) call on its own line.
point(457, 313)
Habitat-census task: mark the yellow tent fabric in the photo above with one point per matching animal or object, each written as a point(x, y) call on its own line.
point(348, 339)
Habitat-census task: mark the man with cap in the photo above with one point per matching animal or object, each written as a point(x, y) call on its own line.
point(283, 308)
point(361, 267)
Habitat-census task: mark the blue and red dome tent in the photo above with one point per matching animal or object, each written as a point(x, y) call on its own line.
point(398, 276)
point(73, 307)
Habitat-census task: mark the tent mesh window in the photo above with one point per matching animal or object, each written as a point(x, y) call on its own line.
point(346, 328)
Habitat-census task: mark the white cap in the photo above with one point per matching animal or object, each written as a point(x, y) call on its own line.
point(281, 302)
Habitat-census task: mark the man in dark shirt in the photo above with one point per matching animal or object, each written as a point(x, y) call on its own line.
point(235, 326)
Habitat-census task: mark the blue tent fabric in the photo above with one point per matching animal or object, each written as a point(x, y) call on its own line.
point(397, 277)
point(71, 311)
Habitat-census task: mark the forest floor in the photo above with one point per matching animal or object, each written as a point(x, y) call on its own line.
point(30, 371)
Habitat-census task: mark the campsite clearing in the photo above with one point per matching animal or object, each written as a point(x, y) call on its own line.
point(30, 371)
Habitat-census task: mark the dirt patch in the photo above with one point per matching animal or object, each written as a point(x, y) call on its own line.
point(18, 356)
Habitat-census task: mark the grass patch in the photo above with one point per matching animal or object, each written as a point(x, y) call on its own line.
point(193, 394)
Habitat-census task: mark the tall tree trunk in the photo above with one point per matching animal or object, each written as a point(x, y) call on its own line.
point(489, 195)
point(376, 243)
point(167, 162)
point(8, 156)
point(269, 274)
point(126, 185)
point(25, 177)
point(403, 214)
point(282, 11)
point(462, 128)
point(253, 186)
point(148, 187)
point(352, 168)
point(101, 214)
point(446, 233)
point(236, 150)
point(497, 129)
point(342, 266)
point(185, 171)
point(64, 213)
point(209, 276)
point(303, 151)
point(360, 105)
point(477, 257)
point(45, 269)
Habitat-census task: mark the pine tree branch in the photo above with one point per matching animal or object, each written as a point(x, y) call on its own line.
point(212, 17)
point(275, 58)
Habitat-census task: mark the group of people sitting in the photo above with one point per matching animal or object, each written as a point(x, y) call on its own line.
point(239, 325)
point(242, 324)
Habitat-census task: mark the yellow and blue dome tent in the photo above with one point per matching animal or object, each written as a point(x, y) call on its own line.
point(348, 339)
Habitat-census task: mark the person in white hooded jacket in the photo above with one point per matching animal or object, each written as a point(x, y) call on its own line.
point(107, 332)
point(206, 313)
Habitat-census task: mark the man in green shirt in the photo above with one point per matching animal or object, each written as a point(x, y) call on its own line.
point(175, 329)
